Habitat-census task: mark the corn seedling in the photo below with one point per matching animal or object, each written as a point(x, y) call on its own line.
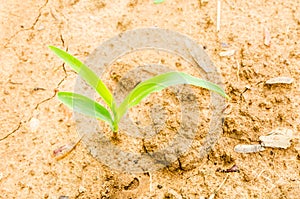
point(87, 106)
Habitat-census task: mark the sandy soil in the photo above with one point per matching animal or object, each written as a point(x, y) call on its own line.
point(31, 75)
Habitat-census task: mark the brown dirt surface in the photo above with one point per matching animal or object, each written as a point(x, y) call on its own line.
point(34, 123)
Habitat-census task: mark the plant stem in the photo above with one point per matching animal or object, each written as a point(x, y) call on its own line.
point(115, 127)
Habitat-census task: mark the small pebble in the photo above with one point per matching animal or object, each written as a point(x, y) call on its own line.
point(34, 124)
point(81, 189)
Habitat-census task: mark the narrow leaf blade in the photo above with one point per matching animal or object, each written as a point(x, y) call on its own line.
point(160, 82)
point(86, 73)
point(85, 105)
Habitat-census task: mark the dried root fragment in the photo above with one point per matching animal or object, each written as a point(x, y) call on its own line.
point(212, 196)
point(247, 148)
point(227, 53)
point(280, 80)
point(267, 37)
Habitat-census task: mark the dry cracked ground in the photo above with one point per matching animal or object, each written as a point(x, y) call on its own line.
point(34, 123)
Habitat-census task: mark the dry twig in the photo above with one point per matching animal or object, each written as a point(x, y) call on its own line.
point(212, 196)
point(64, 150)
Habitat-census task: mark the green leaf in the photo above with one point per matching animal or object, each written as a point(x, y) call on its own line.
point(85, 106)
point(158, 1)
point(87, 74)
point(160, 82)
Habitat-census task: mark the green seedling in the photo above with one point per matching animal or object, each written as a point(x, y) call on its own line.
point(113, 116)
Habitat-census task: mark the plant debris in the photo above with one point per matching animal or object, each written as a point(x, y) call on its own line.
point(64, 150)
point(248, 148)
point(232, 169)
point(267, 37)
point(280, 80)
point(227, 53)
point(278, 138)
point(212, 196)
point(63, 197)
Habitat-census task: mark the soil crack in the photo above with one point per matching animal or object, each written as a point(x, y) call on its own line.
point(29, 28)
point(55, 90)
point(37, 105)
point(59, 83)
point(12, 132)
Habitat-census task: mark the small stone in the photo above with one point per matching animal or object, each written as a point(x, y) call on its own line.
point(81, 189)
point(280, 80)
point(34, 124)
